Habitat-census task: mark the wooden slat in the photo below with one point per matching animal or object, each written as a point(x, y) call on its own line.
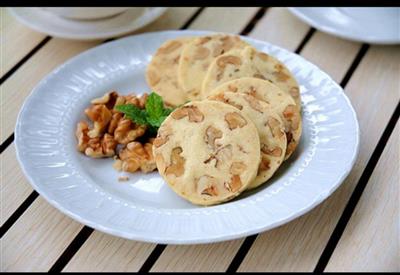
point(197, 258)
point(104, 253)
point(281, 28)
point(12, 176)
point(54, 53)
point(173, 18)
point(13, 92)
point(38, 237)
point(184, 262)
point(16, 40)
point(371, 239)
point(297, 246)
point(341, 54)
point(231, 20)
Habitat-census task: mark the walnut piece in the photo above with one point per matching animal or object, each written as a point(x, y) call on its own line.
point(234, 185)
point(227, 43)
point(123, 178)
point(291, 114)
point(136, 156)
point(81, 134)
point(177, 163)
point(237, 168)
point(218, 50)
point(208, 185)
point(94, 147)
point(221, 97)
point(201, 53)
point(192, 112)
point(235, 120)
point(139, 102)
point(109, 100)
point(258, 75)
point(275, 128)
point(276, 152)
point(128, 131)
point(253, 102)
point(101, 116)
point(221, 156)
point(172, 46)
point(232, 88)
point(263, 56)
point(101, 147)
point(228, 59)
point(264, 164)
point(212, 134)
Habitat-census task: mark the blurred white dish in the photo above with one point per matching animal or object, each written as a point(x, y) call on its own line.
point(370, 25)
point(85, 13)
point(145, 208)
point(123, 23)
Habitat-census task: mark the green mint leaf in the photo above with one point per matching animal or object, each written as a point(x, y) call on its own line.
point(153, 115)
point(167, 111)
point(156, 121)
point(133, 113)
point(154, 107)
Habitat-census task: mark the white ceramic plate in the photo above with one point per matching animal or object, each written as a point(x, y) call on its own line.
point(123, 23)
point(371, 25)
point(145, 208)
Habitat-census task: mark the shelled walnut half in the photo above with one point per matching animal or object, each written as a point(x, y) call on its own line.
point(136, 156)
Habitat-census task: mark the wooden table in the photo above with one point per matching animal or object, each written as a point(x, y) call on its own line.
point(356, 229)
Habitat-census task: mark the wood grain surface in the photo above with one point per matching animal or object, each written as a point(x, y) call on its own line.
point(17, 40)
point(37, 239)
point(14, 187)
point(371, 241)
point(281, 28)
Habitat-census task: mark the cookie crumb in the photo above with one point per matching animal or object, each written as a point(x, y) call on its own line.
point(123, 178)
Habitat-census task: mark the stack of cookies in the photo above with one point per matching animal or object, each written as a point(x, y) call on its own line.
point(242, 121)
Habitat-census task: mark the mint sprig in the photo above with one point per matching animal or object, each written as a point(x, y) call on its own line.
point(152, 115)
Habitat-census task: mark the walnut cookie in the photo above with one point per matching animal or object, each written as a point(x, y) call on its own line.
point(270, 130)
point(250, 63)
point(207, 152)
point(198, 54)
point(162, 72)
point(279, 101)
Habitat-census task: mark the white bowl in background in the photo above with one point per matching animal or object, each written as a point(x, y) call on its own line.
point(85, 13)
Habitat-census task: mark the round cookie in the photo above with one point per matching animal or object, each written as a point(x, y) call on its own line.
point(198, 54)
point(250, 63)
point(280, 102)
point(273, 70)
point(225, 67)
point(270, 130)
point(162, 72)
point(207, 151)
